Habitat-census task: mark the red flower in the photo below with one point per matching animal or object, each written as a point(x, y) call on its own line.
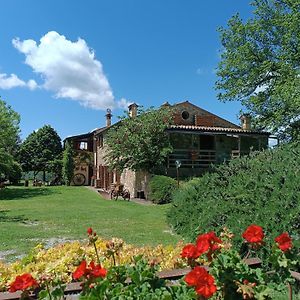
point(23, 282)
point(208, 242)
point(284, 242)
point(81, 270)
point(190, 251)
point(97, 270)
point(90, 231)
point(93, 271)
point(254, 234)
point(203, 282)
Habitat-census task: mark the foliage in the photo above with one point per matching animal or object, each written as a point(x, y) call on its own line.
point(9, 138)
point(40, 149)
point(263, 188)
point(60, 261)
point(144, 284)
point(260, 63)
point(229, 277)
point(139, 143)
point(225, 275)
point(15, 173)
point(162, 188)
point(68, 163)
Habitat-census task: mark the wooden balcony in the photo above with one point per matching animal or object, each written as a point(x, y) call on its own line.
point(191, 158)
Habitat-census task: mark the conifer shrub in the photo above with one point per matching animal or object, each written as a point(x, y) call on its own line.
point(263, 188)
point(162, 188)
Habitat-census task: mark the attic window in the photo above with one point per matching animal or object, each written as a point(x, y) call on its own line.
point(185, 115)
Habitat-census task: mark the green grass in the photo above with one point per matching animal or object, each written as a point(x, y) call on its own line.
point(32, 215)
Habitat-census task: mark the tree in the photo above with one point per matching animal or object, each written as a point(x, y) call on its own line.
point(68, 163)
point(9, 138)
point(139, 143)
point(40, 149)
point(260, 64)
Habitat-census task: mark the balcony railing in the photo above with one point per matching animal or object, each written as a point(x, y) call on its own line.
point(192, 159)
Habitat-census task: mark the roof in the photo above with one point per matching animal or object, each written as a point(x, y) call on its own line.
point(215, 129)
point(206, 111)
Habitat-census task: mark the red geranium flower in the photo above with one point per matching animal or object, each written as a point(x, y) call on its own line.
point(93, 271)
point(208, 242)
point(97, 270)
point(22, 283)
point(190, 251)
point(203, 282)
point(254, 234)
point(81, 270)
point(90, 231)
point(284, 242)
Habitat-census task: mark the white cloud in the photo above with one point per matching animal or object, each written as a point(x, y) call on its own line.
point(11, 81)
point(123, 103)
point(69, 69)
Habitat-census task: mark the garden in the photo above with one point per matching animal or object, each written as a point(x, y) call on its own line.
point(232, 233)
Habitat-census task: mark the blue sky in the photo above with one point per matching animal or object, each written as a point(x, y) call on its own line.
point(64, 62)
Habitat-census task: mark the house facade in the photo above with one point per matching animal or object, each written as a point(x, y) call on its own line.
point(199, 139)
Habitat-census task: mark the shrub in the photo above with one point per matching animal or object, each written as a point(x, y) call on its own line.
point(162, 188)
point(263, 189)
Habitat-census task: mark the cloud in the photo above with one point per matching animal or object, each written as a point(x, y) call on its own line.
point(69, 70)
point(124, 103)
point(11, 81)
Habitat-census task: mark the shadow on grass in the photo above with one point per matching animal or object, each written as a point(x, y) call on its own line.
point(13, 193)
point(15, 219)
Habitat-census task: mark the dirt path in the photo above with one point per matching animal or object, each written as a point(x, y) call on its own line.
point(106, 196)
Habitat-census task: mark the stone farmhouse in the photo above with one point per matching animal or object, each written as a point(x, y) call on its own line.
point(199, 139)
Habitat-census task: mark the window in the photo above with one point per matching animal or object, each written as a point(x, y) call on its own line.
point(185, 115)
point(83, 145)
point(100, 141)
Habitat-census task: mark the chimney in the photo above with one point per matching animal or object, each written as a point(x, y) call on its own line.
point(132, 110)
point(246, 121)
point(108, 117)
point(166, 104)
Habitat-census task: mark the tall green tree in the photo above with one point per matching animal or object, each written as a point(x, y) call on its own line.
point(68, 163)
point(260, 64)
point(40, 149)
point(139, 143)
point(9, 138)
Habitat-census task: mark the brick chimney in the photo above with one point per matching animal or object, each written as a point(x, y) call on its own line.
point(166, 104)
point(108, 117)
point(245, 121)
point(132, 110)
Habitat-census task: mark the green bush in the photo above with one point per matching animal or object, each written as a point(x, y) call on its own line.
point(263, 189)
point(162, 188)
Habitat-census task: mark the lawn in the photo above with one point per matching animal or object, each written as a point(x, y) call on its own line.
point(29, 216)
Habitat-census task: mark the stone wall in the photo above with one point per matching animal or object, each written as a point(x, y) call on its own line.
point(136, 182)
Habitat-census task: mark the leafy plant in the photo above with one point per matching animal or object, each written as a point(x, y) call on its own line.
point(40, 149)
point(260, 63)
point(263, 188)
point(229, 277)
point(68, 163)
point(139, 143)
point(162, 188)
